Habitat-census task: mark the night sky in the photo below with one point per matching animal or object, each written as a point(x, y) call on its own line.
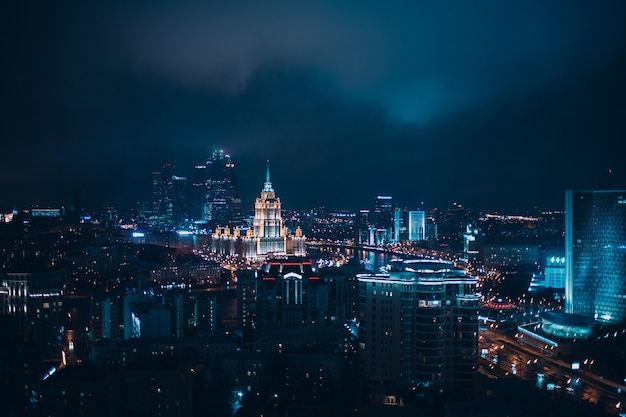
point(492, 104)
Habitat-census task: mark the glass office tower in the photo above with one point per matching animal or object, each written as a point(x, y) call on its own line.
point(595, 254)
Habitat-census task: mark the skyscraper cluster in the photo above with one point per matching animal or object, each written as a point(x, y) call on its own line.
point(385, 223)
point(213, 197)
point(216, 196)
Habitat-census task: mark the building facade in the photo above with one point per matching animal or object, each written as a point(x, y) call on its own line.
point(555, 272)
point(419, 326)
point(168, 198)
point(267, 237)
point(223, 202)
point(417, 226)
point(595, 254)
point(33, 294)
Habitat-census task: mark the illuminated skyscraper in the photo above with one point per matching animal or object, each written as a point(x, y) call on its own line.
point(382, 219)
point(417, 226)
point(267, 237)
point(268, 220)
point(595, 254)
point(223, 202)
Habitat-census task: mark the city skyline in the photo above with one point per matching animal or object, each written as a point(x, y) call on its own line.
point(494, 105)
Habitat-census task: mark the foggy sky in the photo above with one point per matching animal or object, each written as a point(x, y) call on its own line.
point(493, 104)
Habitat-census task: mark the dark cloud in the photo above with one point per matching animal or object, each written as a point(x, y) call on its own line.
point(492, 103)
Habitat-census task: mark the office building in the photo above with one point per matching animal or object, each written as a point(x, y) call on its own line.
point(362, 227)
point(555, 272)
point(168, 198)
point(400, 232)
point(223, 202)
point(419, 326)
point(198, 195)
point(382, 220)
point(595, 254)
point(417, 226)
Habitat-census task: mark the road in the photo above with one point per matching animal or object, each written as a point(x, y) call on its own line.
point(507, 357)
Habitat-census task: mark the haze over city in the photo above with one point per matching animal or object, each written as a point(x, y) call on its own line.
point(495, 104)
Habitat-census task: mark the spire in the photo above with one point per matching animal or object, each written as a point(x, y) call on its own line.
point(268, 183)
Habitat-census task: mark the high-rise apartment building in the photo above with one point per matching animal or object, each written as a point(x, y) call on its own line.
point(595, 254)
point(419, 326)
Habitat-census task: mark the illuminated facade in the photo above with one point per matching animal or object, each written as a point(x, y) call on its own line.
point(595, 254)
point(419, 325)
point(568, 326)
point(555, 272)
point(267, 237)
point(382, 220)
point(268, 221)
point(417, 226)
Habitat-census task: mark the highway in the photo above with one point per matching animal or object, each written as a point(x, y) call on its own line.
point(503, 356)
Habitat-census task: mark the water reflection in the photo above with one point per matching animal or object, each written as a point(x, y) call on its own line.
point(371, 260)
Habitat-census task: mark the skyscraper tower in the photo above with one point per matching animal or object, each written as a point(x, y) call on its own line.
point(268, 220)
point(198, 193)
point(382, 219)
point(595, 254)
point(267, 237)
point(168, 197)
point(223, 202)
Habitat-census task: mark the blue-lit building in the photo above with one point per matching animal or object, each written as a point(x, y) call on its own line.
point(555, 272)
point(595, 254)
point(417, 226)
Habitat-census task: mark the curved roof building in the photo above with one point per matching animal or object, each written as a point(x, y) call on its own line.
point(569, 326)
